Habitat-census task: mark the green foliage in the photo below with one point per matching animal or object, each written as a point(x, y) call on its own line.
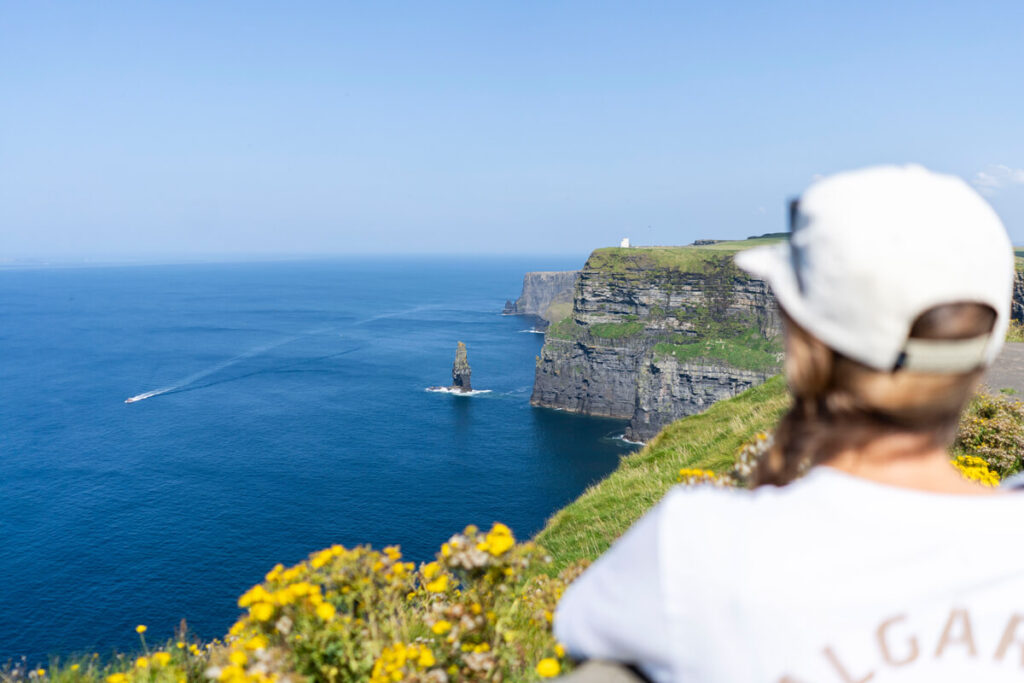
point(1015, 333)
point(641, 262)
point(638, 260)
point(615, 330)
point(566, 328)
point(558, 310)
point(739, 245)
point(748, 351)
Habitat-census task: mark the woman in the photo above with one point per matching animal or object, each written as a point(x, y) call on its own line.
point(881, 563)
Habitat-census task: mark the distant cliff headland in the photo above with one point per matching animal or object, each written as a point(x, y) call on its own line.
point(547, 295)
point(653, 333)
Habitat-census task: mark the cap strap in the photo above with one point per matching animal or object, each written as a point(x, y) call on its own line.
point(944, 355)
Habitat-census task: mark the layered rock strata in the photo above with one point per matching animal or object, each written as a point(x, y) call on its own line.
point(656, 334)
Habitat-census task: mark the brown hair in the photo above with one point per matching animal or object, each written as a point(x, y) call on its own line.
point(839, 403)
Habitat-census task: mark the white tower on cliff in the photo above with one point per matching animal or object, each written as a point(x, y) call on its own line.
point(624, 243)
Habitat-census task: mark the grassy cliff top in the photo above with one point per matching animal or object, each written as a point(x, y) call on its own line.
point(688, 259)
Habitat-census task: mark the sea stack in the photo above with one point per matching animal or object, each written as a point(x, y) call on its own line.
point(460, 370)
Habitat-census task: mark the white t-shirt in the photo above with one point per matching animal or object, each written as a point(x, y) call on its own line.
point(833, 578)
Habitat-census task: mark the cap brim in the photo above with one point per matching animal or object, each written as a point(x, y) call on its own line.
point(774, 265)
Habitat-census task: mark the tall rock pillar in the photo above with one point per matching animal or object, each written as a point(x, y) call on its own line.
point(460, 370)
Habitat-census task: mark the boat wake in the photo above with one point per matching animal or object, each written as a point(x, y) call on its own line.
point(532, 331)
point(457, 392)
point(181, 384)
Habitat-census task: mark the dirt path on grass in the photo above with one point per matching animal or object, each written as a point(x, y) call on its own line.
point(1008, 370)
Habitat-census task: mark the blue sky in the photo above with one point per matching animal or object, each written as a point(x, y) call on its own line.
point(180, 129)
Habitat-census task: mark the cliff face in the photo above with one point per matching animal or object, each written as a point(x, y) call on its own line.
point(547, 295)
point(656, 334)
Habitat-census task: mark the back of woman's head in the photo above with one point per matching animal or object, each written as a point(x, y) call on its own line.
point(841, 403)
point(895, 286)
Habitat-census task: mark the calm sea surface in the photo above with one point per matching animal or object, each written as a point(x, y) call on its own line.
point(292, 415)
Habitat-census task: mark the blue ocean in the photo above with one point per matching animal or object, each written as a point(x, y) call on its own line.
point(282, 409)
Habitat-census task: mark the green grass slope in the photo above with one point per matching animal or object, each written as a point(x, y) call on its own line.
point(693, 258)
point(586, 527)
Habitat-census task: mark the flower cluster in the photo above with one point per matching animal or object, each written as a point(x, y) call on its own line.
point(401, 662)
point(693, 475)
point(481, 611)
point(975, 469)
point(741, 473)
point(749, 456)
point(992, 428)
point(323, 618)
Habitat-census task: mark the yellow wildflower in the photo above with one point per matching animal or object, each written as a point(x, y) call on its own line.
point(274, 573)
point(262, 611)
point(393, 552)
point(426, 659)
point(141, 628)
point(976, 469)
point(548, 667)
point(180, 645)
point(693, 475)
point(116, 678)
point(283, 597)
point(325, 611)
point(302, 588)
point(141, 663)
point(322, 558)
point(498, 540)
point(438, 585)
point(231, 673)
point(441, 627)
point(255, 594)
point(431, 570)
point(257, 642)
point(560, 650)
point(238, 658)
point(40, 672)
point(75, 667)
point(162, 658)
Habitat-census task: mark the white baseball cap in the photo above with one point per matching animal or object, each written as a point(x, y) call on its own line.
point(872, 249)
